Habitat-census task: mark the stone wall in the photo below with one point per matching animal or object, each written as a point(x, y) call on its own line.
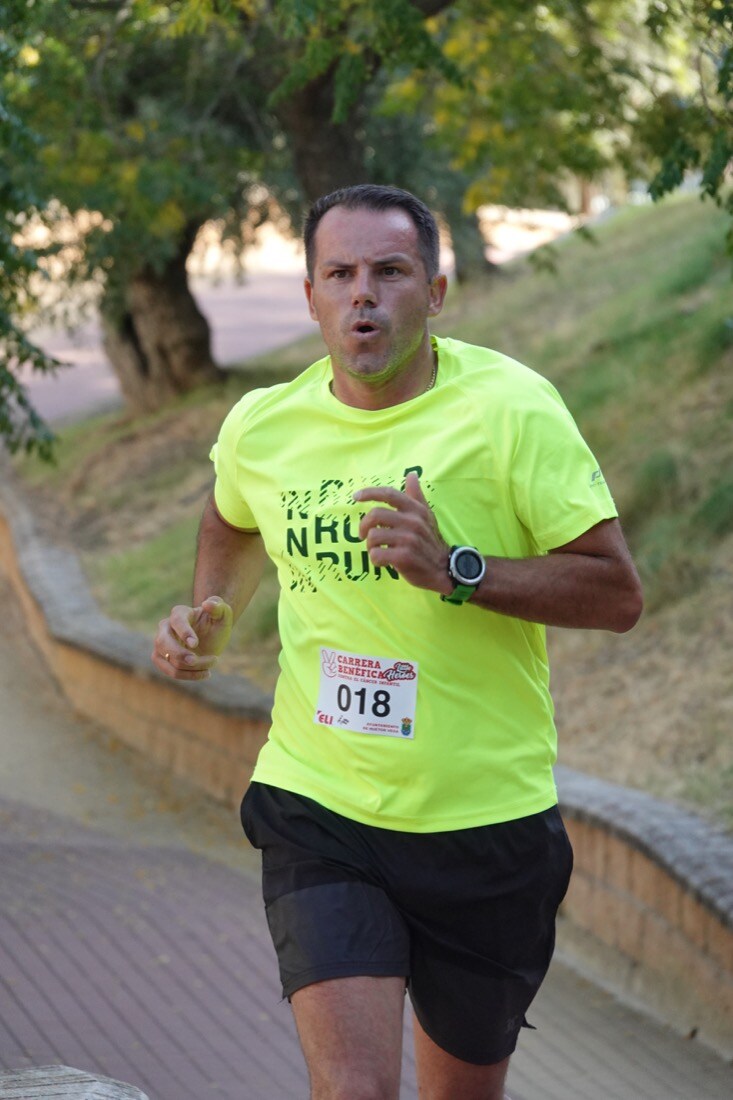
point(650, 909)
point(208, 732)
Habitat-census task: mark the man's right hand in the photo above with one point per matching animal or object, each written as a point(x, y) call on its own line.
point(188, 643)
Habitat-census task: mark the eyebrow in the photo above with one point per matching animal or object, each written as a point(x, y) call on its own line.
point(382, 261)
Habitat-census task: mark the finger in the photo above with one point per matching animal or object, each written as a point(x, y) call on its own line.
point(183, 675)
point(180, 663)
point(185, 661)
point(189, 674)
point(215, 607)
point(413, 488)
point(383, 493)
point(181, 625)
point(384, 556)
point(378, 517)
point(167, 642)
point(383, 536)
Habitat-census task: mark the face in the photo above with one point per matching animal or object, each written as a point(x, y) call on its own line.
point(370, 293)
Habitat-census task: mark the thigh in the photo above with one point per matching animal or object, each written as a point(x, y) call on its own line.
point(350, 1030)
point(482, 927)
point(441, 1076)
point(328, 913)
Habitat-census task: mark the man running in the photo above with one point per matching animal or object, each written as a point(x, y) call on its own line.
point(430, 506)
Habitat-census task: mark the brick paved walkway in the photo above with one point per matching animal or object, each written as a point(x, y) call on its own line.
point(153, 965)
point(127, 949)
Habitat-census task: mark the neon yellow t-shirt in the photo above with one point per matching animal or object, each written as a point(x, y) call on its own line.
point(393, 707)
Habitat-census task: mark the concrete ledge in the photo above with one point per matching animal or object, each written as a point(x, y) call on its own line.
point(208, 733)
point(63, 1083)
point(649, 912)
point(650, 908)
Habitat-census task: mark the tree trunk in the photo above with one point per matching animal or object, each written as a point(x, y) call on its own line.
point(469, 246)
point(161, 344)
point(585, 202)
point(326, 155)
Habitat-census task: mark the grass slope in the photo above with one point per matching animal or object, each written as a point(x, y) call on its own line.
point(637, 333)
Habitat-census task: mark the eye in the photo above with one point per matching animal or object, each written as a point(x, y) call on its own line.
point(390, 270)
point(338, 273)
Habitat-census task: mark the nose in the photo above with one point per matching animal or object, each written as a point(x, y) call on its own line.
point(364, 289)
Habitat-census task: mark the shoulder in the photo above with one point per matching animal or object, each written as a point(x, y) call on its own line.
point(260, 404)
point(494, 381)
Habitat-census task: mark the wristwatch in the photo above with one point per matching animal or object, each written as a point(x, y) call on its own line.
point(466, 567)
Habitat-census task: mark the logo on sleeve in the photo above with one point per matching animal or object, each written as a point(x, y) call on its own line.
point(597, 478)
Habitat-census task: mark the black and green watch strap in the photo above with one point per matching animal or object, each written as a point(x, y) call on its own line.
point(460, 593)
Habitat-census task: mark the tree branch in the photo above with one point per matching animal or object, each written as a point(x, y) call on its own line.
point(428, 8)
point(97, 5)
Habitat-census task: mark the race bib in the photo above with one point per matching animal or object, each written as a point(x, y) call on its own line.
point(367, 694)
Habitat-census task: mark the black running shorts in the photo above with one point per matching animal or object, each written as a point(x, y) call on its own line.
point(467, 916)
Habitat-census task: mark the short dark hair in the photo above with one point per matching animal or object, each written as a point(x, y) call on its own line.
point(374, 196)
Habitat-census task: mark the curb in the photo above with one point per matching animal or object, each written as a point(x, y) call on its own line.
point(696, 854)
point(57, 583)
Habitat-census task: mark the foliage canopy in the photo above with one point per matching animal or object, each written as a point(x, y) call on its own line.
point(153, 118)
point(691, 128)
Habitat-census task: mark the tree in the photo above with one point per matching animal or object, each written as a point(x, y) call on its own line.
point(158, 117)
point(544, 97)
point(689, 126)
point(154, 118)
point(20, 425)
point(496, 101)
point(144, 131)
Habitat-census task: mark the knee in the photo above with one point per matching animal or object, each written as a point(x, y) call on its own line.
point(354, 1085)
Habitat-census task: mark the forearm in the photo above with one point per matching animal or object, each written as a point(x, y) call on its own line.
point(589, 582)
point(562, 589)
point(229, 563)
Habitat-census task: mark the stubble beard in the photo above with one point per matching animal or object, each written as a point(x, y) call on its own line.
point(377, 368)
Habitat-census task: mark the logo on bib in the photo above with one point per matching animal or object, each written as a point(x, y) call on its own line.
point(329, 663)
point(406, 727)
point(400, 670)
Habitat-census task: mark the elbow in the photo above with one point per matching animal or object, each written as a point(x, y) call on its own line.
point(628, 608)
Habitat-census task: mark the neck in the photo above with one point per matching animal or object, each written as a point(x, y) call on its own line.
point(379, 392)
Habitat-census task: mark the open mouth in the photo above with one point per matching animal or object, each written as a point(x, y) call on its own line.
point(363, 328)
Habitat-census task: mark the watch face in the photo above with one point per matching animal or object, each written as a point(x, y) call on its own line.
point(468, 565)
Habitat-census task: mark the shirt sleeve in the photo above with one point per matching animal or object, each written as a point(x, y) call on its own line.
point(556, 484)
point(226, 456)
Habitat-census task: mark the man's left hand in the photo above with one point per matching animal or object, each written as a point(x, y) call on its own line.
point(405, 535)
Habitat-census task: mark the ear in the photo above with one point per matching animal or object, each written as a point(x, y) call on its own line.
point(308, 285)
point(436, 292)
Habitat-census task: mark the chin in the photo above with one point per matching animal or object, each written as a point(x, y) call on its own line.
point(366, 372)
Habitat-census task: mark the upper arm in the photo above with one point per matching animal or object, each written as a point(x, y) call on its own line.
point(556, 486)
point(229, 499)
point(232, 526)
point(229, 561)
point(605, 542)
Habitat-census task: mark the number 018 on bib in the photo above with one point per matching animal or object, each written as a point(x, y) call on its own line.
point(366, 694)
